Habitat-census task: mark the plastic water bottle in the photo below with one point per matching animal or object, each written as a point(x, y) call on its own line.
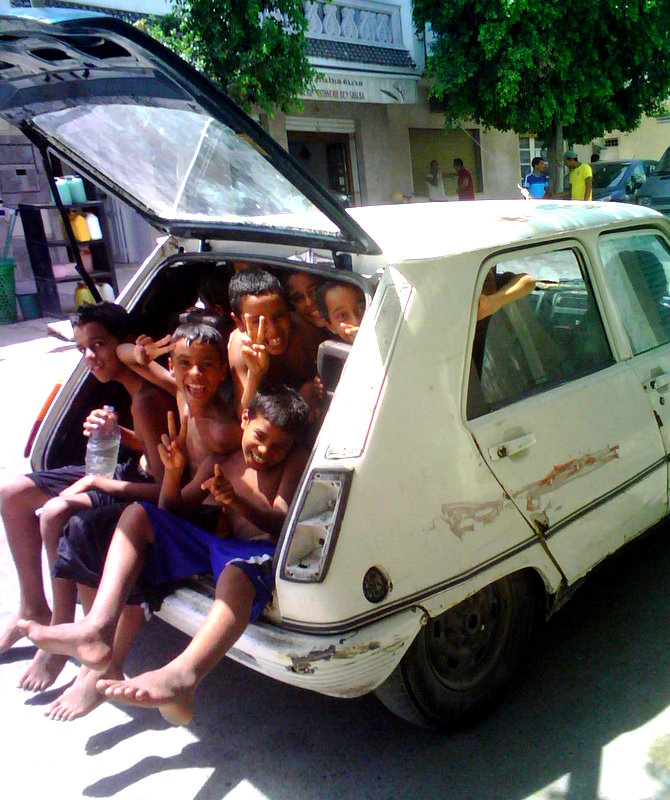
point(102, 450)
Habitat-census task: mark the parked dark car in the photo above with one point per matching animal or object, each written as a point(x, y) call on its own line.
point(618, 180)
point(655, 193)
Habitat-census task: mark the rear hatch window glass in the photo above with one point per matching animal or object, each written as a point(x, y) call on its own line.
point(183, 165)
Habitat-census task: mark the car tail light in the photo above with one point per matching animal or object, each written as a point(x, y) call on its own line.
point(40, 418)
point(318, 517)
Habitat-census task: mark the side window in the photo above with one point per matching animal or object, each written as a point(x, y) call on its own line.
point(544, 330)
point(637, 267)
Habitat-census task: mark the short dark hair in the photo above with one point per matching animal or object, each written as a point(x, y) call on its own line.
point(458, 162)
point(199, 332)
point(114, 319)
point(252, 281)
point(281, 406)
point(536, 161)
point(323, 290)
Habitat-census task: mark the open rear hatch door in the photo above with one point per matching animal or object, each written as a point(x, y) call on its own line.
point(140, 122)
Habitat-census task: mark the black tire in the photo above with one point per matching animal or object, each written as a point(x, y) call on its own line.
point(457, 667)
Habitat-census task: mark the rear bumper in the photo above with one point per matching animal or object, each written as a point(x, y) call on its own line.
point(341, 665)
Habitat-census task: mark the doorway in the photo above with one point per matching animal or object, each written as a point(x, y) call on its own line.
point(327, 158)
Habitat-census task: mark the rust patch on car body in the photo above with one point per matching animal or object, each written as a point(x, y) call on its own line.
point(307, 663)
point(462, 517)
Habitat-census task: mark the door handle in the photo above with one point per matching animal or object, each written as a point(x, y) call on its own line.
point(659, 381)
point(511, 447)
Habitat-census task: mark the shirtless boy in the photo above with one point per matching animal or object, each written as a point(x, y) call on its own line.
point(60, 493)
point(197, 366)
point(343, 306)
point(255, 486)
point(269, 343)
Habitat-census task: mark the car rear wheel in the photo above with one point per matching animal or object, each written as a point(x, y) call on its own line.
point(456, 668)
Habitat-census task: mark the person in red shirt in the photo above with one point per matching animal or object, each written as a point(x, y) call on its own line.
point(466, 187)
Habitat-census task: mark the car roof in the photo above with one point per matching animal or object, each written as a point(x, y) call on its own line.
point(418, 231)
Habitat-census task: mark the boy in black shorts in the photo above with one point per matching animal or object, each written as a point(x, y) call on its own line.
point(60, 493)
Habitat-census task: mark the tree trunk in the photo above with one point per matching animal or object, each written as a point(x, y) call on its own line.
point(555, 155)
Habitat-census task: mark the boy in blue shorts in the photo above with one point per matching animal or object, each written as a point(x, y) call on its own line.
point(254, 486)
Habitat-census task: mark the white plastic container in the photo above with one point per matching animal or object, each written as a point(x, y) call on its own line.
point(106, 292)
point(94, 229)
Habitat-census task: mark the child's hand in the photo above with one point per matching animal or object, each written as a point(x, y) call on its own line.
point(347, 331)
point(99, 420)
point(83, 485)
point(219, 487)
point(254, 353)
point(312, 393)
point(146, 350)
point(172, 447)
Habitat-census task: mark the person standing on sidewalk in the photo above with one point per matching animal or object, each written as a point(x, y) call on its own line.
point(466, 187)
point(435, 183)
point(537, 181)
point(581, 178)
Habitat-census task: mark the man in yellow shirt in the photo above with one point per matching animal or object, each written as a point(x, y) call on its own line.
point(581, 178)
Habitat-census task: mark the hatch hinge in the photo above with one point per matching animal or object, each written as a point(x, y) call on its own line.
point(343, 261)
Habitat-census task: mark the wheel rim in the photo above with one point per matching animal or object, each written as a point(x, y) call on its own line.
point(463, 645)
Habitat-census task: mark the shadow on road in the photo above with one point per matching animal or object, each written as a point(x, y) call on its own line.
point(600, 670)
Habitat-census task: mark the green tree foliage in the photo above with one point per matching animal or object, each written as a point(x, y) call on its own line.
point(549, 67)
point(253, 49)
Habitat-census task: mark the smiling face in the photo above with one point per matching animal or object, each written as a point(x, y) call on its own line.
point(198, 370)
point(98, 348)
point(346, 306)
point(264, 445)
point(277, 320)
point(302, 290)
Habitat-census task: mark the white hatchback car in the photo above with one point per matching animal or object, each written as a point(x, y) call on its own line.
point(467, 475)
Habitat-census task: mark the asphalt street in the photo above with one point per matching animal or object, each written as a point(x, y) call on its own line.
point(587, 719)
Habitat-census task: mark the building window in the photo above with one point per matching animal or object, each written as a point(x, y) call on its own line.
point(529, 148)
point(611, 142)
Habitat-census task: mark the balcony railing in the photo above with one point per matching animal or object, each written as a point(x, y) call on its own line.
point(367, 23)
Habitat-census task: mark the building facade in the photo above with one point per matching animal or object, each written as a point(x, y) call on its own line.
point(368, 131)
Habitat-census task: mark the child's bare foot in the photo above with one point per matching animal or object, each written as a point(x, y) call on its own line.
point(42, 672)
point(90, 645)
point(12, 633)
point(166, 689)
point(81, 698)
